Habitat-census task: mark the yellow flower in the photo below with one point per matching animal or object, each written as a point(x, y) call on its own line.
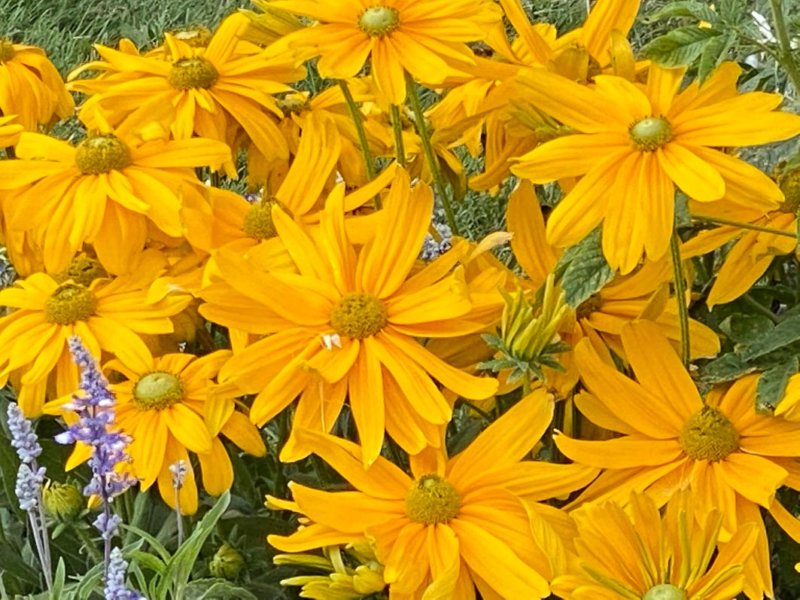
point(9, 131)
point(420, 37)
point(474, 520)
point(646, 555)
point(31, 87)
point(104, 191)
point(206, 91)
point(635, 144)
point(106, 314)
point(347, 321)
point(732, 458)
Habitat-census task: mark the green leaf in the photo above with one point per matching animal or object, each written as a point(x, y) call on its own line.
point(680, 46)
point(691, 8)
point(216, 589)
point(585, 270)
point(785, 333)
point(744, 328)
point(726, 368)
point(772, 385)
point(179, 567)
point(58, 580)
point(146, 560)
point(713, 53)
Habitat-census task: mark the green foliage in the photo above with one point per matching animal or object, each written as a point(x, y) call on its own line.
point(583, 269)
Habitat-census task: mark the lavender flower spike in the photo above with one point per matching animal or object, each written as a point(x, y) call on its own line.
point(115, 582)
point(23, 439)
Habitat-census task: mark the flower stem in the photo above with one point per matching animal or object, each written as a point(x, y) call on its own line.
point(178, 516)
point(430, 157)
point(358, 121)
point(88, 542)
point(47, 562)
point(680, 296)
point(397, 128)
point(721, 221)
point(781, 33)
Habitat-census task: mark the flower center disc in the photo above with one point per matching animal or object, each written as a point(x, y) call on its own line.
point(359, 316)
point(258, 221)
point(158, 390)
point(665, 591)
point(790, 186)
point(592, 304)
point(650, 133)
point(709, 435)
point(7, 51)
point(101, 154)
point(191, 73)
point(70, 302)
point(292, 103)
point(432, 500)
point(379, 21)
point(83, 270)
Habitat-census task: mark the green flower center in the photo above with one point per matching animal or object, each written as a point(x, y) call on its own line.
point(359, 316)
point(70, 303)
point(379, 21)
point(158, 390)
point(665, 591)
point(258, 221)
point(292, 103)
point(62, 500)
point(7, 51)
point(709, 435)
point(196, 36)
point(82, 270)
point(191, 73)
point(101, 154)
point(650, 133)
point(432, 500)
point(789, 183)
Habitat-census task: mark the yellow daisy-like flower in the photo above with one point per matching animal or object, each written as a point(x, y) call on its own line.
point(206, 91)
point(31, 87)
point(474, 521)
point(732, 458)
point(644, 555)
point(347, 321)
point(106, 314)
point(420, 37)
point(168, 408)
point(104, 191)
point(635, 144)
point(10, 130)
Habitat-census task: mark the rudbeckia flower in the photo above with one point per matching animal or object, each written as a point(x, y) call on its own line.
point(635, 144)
point(210, 92)
point(107, 314)
point(476, 520)
point(347, 322)
point(421, 37)
point(733, 459)
point(9, 130)
point(31, 87)
point(644, 554)
point(105, 191)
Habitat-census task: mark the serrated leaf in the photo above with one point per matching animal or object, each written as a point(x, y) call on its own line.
point(586, 270)
point(784, 333)
point(726, 368)
point(744, 329)
point(681, 46)
point(216, 589)
point(713, 53)
point(690, 8)
point(772, 385)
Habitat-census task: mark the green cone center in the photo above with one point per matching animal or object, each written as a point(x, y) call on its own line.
point(83, 270)
point(650, 133)
point(359, 316)
point(70, 303)
point(7, 51)
point(709, 435)
point(258, 221)
point(379, 21)
point(158, 390)
point(665, 591)
point(432, 500)
point(789, 183)
point(101, 154)
point(192, 73)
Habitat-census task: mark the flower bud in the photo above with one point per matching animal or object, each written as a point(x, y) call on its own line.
point(64, 501)
point(227, 563)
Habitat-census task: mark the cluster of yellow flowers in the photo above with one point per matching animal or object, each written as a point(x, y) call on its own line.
point(212, 312)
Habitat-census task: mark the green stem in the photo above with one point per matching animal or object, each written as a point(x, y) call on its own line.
point(680, 296)
point(720, 221)
point(782, 34)
point(397, 128)
point(87, 540)
point(761, 308)
point(358, 121)
point(430, 157)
